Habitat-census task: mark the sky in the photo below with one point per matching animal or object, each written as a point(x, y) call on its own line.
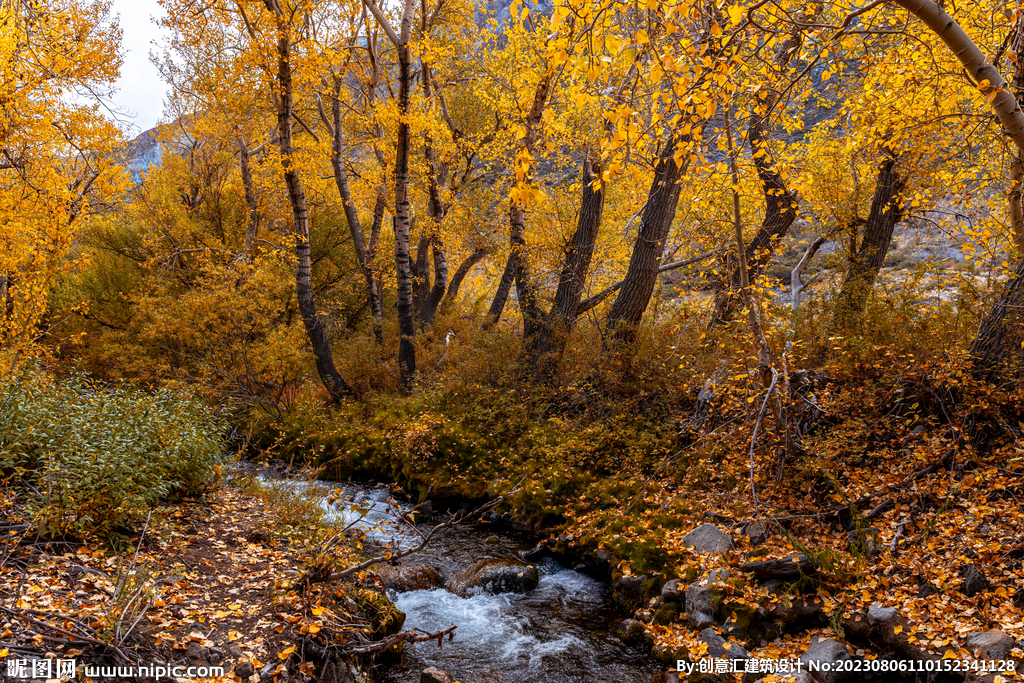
point(140, 90)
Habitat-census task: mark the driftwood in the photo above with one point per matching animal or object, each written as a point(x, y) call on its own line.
point(417, 636)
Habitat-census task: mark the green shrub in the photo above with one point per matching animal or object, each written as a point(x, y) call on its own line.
point(96, 457)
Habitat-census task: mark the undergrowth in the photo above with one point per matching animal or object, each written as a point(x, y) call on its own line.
point(91, 459)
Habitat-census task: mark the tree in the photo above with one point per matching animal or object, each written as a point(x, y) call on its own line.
point(58, 167)
point(284, 21)
point(866, 260)
point(403, 264)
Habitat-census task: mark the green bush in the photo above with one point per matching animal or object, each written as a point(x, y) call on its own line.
point(95, 458)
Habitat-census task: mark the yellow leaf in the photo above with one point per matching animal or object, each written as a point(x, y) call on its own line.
point(735, 14)
point(898, 630)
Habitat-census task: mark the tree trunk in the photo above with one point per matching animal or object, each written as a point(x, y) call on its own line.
point(655, 223)
point(764, 357)
point(460, 274)
point(314, 323)
point(363, 255)
point(991, 348)
point(406, 321)
point(796, 287)
point(252, 216)
point(865, 264)
point(436, 292)
point(581, 251)
point(501, 294)
point(431, 296)
point(536, 324)
point(551, 336)
point(1000, 333)
point(1015, 197)
point(421, 273)
point(779, 213)
point(1002, 101)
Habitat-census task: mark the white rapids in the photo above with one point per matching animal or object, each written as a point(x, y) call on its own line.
point(557, 633)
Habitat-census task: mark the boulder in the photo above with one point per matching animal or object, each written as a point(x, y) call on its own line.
point(495, 575)
point(720, 648)
point(702, 599)
point(632, 632)
point(991, 644)
point(755, 532)
point(877, 614)
point(433, 675)
point(672, 592)
point(825, 653)
point(790, 567)
point(409, 577)
point(974, 581)
point(708, 539)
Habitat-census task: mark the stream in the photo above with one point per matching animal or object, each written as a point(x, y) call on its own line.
point(559, 632)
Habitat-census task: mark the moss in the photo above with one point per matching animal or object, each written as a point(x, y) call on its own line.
point(666, 615)
point(668, 656)
point(385, 618)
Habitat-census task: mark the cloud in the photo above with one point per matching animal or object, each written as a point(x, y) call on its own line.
point(140, 91)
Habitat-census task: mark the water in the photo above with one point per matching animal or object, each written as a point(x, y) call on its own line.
point(557, 633)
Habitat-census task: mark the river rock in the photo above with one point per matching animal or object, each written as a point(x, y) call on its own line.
point(877, 614)
point(991, 644)
point(702, 599)
point(433, 675)
point(196, 654)
point(495, 575)
point(409, 577)
point(827, 653)
point(790, 567)
point(974, 581)
point(720, 648)
point(629, 592)
point(244, 669)
point(632, 632)
point(708, 539)
point(671, 591)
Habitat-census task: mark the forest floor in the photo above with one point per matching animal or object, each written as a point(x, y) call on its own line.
point(208, 584)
